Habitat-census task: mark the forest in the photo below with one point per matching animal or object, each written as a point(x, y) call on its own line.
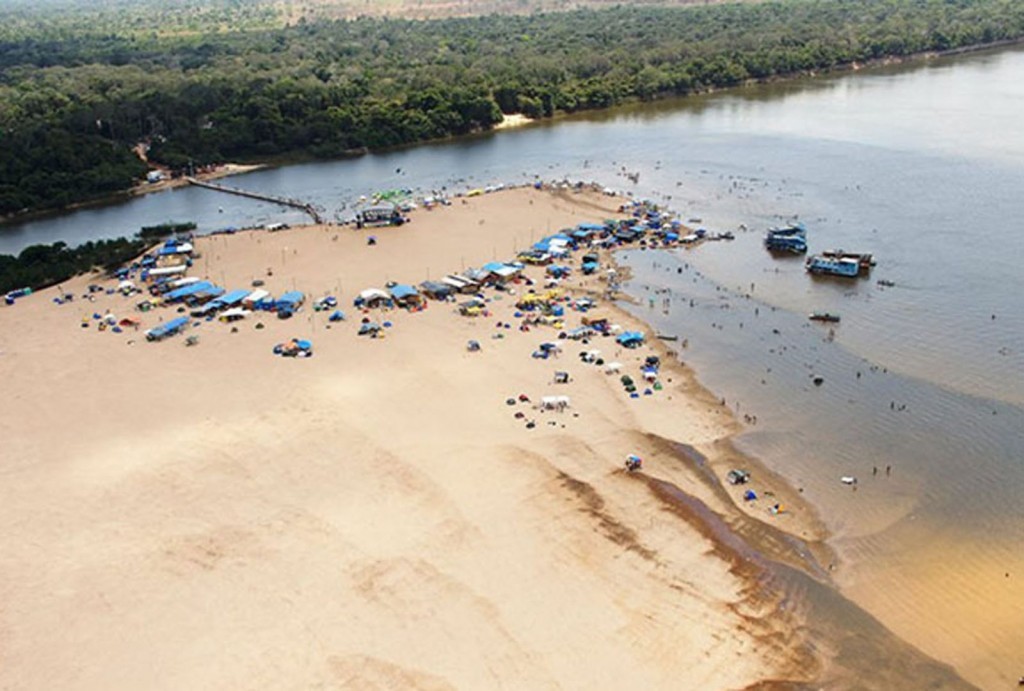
point(206, 82)
point(45, 265)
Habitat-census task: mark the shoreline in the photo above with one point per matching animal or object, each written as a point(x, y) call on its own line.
point(512, 122)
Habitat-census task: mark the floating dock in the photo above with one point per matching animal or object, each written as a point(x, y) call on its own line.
point(293, 203)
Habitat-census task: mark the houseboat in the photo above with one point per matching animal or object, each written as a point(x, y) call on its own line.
point(791, 238)
point(864, 260)
point(824, 266)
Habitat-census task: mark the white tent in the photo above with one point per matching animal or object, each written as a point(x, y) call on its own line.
point(255, 296)
point(184, 281)
point(374, 294)
point(168, 270)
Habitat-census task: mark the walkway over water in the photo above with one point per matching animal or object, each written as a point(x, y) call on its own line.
point(294, 203)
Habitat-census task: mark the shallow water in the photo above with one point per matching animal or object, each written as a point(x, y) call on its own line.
point(921, 165)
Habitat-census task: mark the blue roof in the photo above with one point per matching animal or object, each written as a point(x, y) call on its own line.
point(233, 298)
point(493, 266)
point(597, 227)
point(185, 291)
point(292, 297)
point(211, 290)
point(170, 327)
point(403, 291)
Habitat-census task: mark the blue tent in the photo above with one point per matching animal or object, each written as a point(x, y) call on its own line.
point(290, 301)
point(630, 339)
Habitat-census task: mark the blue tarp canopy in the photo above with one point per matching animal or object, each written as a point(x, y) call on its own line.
point(161, 330)
point(232, 298)
point(436, 289)
point(592, 227)
point(400, 292)
point(185, 291)
point(630, 338)
point(210, 291)
point(290, 300)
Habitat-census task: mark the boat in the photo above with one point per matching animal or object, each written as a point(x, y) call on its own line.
point(823, 266)
point(823, 317)
point(886, 283)
point(865, 260)
point(791, 238)
point(668, 337)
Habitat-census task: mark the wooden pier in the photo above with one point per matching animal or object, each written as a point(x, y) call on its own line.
point(293, 203)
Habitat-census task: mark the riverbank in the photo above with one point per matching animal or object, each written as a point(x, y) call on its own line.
point(378, 514)
point(216, 173)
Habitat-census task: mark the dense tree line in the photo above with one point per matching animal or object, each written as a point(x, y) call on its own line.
point(45, 265)
point(74, 99)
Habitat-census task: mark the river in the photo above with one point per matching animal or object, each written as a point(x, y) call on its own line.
point(922, 396)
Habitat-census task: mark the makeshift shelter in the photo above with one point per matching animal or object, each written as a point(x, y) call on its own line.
point(234, 314)
point(379, 215)
point(372, 297)
point(162, 331)
point(436, 290)
point(406, 296)
point(253, 299)
point(369, 329)
point(630, 339)
point(163, 271)
point(290, 302)
point(499, 272)
point(580, 333)
point(231, 299)
point(462, 284)
point(172, 247)
point(204, 295)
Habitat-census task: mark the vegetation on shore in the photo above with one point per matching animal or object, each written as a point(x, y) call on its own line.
point(225, 81)
point(40, 266)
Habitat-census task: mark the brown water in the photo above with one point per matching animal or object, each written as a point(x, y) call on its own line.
point(922, 165)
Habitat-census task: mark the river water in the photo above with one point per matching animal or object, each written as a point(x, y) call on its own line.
point(921, 165)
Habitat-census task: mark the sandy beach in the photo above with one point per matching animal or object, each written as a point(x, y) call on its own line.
point(376, 516)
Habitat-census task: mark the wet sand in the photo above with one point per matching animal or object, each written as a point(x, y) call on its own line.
point(376, 516)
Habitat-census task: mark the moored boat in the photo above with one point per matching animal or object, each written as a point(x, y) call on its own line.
point(791, 238)
point(823, 317)
point(823, 266)
point(865, 260)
